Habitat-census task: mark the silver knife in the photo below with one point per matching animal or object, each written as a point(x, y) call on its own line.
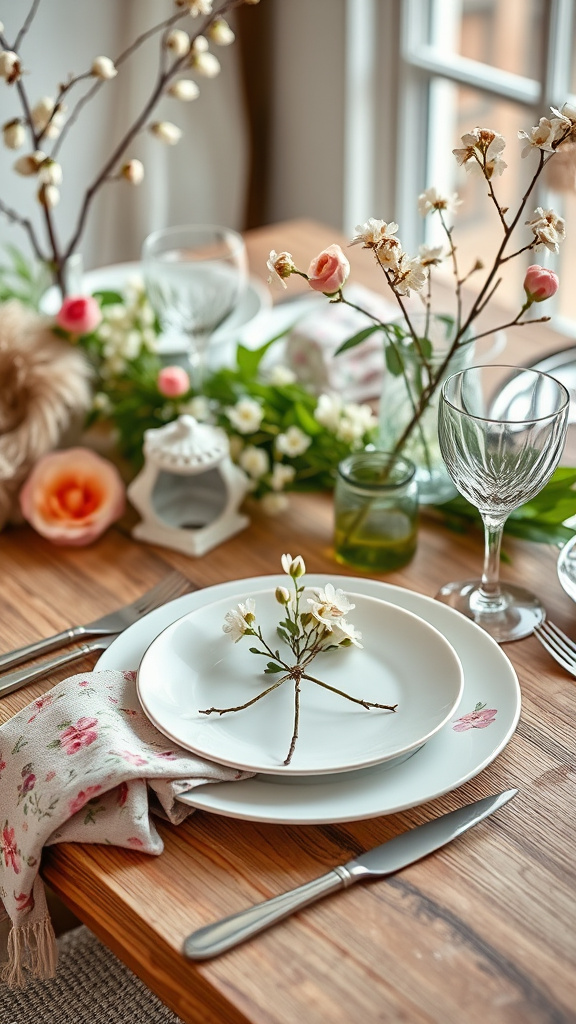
point(384, 860)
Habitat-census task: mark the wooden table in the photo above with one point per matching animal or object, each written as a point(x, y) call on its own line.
point(482, 931)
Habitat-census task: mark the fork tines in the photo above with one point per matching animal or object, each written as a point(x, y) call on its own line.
point(560, 646)
point(170, 587)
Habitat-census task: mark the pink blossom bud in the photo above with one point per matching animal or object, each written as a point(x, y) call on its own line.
point(173, 381)
point(133, 171)
point(540, 284)
point(79, 314)
point(329, 270)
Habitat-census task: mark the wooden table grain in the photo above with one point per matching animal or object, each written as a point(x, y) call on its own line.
point(483, 930)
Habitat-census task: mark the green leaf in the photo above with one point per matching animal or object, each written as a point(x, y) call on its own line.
point(272, 668)
point(394, 363)
point(108, 298)
point(290, 626)
point(357, 339)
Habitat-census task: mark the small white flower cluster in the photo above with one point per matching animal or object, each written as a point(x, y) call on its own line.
point(126, 330)
point(326, 618)
point(403, 272)
point(350, 423)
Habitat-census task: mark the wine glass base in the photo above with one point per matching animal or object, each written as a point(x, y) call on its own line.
point(516, 615)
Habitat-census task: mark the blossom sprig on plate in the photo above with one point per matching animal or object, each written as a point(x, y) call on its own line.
point(307, 632)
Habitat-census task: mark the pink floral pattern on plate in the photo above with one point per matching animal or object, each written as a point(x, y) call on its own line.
point(480, 718)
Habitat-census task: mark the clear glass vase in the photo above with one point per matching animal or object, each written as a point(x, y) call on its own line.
point(400, 393)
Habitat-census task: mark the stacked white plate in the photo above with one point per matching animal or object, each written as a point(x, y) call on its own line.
point(457, 697)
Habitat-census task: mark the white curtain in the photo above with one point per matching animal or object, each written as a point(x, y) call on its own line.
point(202, 179)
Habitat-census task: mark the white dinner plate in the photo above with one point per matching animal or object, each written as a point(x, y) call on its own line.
point(484, 723)
point(566, 567)
point(255, 301)
point(193, 665)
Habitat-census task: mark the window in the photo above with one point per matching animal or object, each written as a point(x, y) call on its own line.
point(490, 63)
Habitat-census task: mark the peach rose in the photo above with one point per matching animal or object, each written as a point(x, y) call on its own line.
point(72, 496)
point(173, 381)
point(79, 314)
point(329, 270)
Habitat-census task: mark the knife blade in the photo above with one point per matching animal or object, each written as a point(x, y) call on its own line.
point(387, 859)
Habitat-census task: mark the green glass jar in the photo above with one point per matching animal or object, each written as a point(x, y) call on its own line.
point(375, 511)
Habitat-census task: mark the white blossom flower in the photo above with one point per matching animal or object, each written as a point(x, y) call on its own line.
point(196, 7)
point(10, 66)
point(281, 475)
point(431, 200)
point(280, 265)
point(410, 274)
point(389, 252)
point(133, 171)
point(199, 408)
point(283, 595)
point(294, 567)
point(221, 33)
point(166, 132)
point(184, 89)
point(254, 461)
point(205, 64)
point(178, 42)
point(293, 442)
point(328, 411)
point(548, 228)
point(50, 172)
point(274, 503)
point(199, 45)
point(355, 422)
point(280, 375)
point(29, 164)
point(541, 136)
point(102, 403)
point(430, 255)
point(482, 152)
point(48, 196)
point(104, 68)
point(238, 621)
point(345, 633)
point(329, 605)
point(14, 134)
point(373, 232)
point(246, 416)
point(47, 117)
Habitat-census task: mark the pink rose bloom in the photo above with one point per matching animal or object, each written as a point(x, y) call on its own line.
point(79, 314)
point(72, 496)
point(328, 271)
point(173, 381)
point(10, 849)
point(476, 720)
point(81, 798)
point(540, 284)
point(80, 735)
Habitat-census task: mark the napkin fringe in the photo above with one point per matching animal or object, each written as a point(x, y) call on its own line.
point(31, 947)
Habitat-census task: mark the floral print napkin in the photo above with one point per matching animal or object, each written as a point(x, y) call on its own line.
point(81, 764)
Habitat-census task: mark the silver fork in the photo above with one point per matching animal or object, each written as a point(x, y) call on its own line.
point(168, 589)
point(15, 680)
point(560, 646)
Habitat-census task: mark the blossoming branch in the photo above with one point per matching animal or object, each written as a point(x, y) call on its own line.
point(481, 154)
point(42, 125)
point(307, 633)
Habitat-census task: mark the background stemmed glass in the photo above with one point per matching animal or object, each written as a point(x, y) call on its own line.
point(499, 459)
point(195, 275)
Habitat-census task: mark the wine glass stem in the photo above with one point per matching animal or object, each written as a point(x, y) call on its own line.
point(197, 360)
point(489, 591)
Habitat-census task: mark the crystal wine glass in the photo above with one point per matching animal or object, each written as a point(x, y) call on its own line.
point(195, 276)
point(499, 459)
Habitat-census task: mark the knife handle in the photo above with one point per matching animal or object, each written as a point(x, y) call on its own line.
point(222, 935)
point(32, 650)
point(14, 680)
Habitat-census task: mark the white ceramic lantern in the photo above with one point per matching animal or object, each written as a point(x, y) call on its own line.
point(189, 490)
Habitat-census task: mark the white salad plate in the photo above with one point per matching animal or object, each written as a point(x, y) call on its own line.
point(255, 301)
point(193, 665)
point(484, 723)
